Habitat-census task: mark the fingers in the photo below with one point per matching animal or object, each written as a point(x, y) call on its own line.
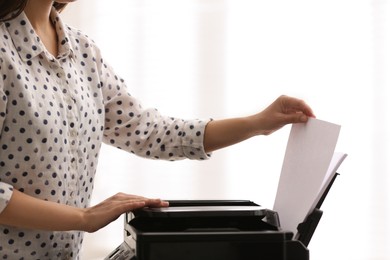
point(296, 110)
point(121, 203)
point(127, 198)
point(294, 105)
point(297, 117)
point(123, 197)
point(154, 203)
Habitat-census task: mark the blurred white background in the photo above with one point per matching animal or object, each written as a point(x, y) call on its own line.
point(224, 58)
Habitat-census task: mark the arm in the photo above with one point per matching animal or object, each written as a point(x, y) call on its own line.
point(28, 212)
point(284, 110)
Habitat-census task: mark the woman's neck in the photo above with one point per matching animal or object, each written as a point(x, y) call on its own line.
point(38, 13)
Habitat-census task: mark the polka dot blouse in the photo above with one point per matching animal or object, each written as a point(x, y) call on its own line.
point(55, 112)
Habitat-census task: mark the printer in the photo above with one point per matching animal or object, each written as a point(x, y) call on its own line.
point(214, 230)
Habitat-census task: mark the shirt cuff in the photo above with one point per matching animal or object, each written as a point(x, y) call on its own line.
point(193, 141)
point(6, 191)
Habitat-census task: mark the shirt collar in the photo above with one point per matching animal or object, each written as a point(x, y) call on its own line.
point(27, 42)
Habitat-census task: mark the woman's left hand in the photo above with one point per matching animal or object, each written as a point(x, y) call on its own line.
point(284, 110)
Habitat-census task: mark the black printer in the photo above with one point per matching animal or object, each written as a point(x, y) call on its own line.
point(212, 230)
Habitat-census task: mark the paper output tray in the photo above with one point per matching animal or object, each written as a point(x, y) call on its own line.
point(307, 228)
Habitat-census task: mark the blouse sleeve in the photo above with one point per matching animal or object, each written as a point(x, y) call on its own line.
point(5, 189)
point(144, 131)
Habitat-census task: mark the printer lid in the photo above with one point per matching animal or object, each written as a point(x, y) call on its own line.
point(205, 208)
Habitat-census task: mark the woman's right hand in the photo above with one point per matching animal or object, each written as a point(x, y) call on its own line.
point(100, 215)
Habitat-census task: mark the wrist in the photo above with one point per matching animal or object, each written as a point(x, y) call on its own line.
point(253, 124)
point(81, 218)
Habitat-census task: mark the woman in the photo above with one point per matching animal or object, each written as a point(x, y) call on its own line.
point(59, 100)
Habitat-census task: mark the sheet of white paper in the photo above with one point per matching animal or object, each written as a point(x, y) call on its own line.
point(308, 155)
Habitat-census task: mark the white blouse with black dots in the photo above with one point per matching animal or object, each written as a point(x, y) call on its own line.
point(55, 112)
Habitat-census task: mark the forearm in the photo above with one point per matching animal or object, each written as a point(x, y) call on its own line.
point(28, 212)
point(226, 132)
